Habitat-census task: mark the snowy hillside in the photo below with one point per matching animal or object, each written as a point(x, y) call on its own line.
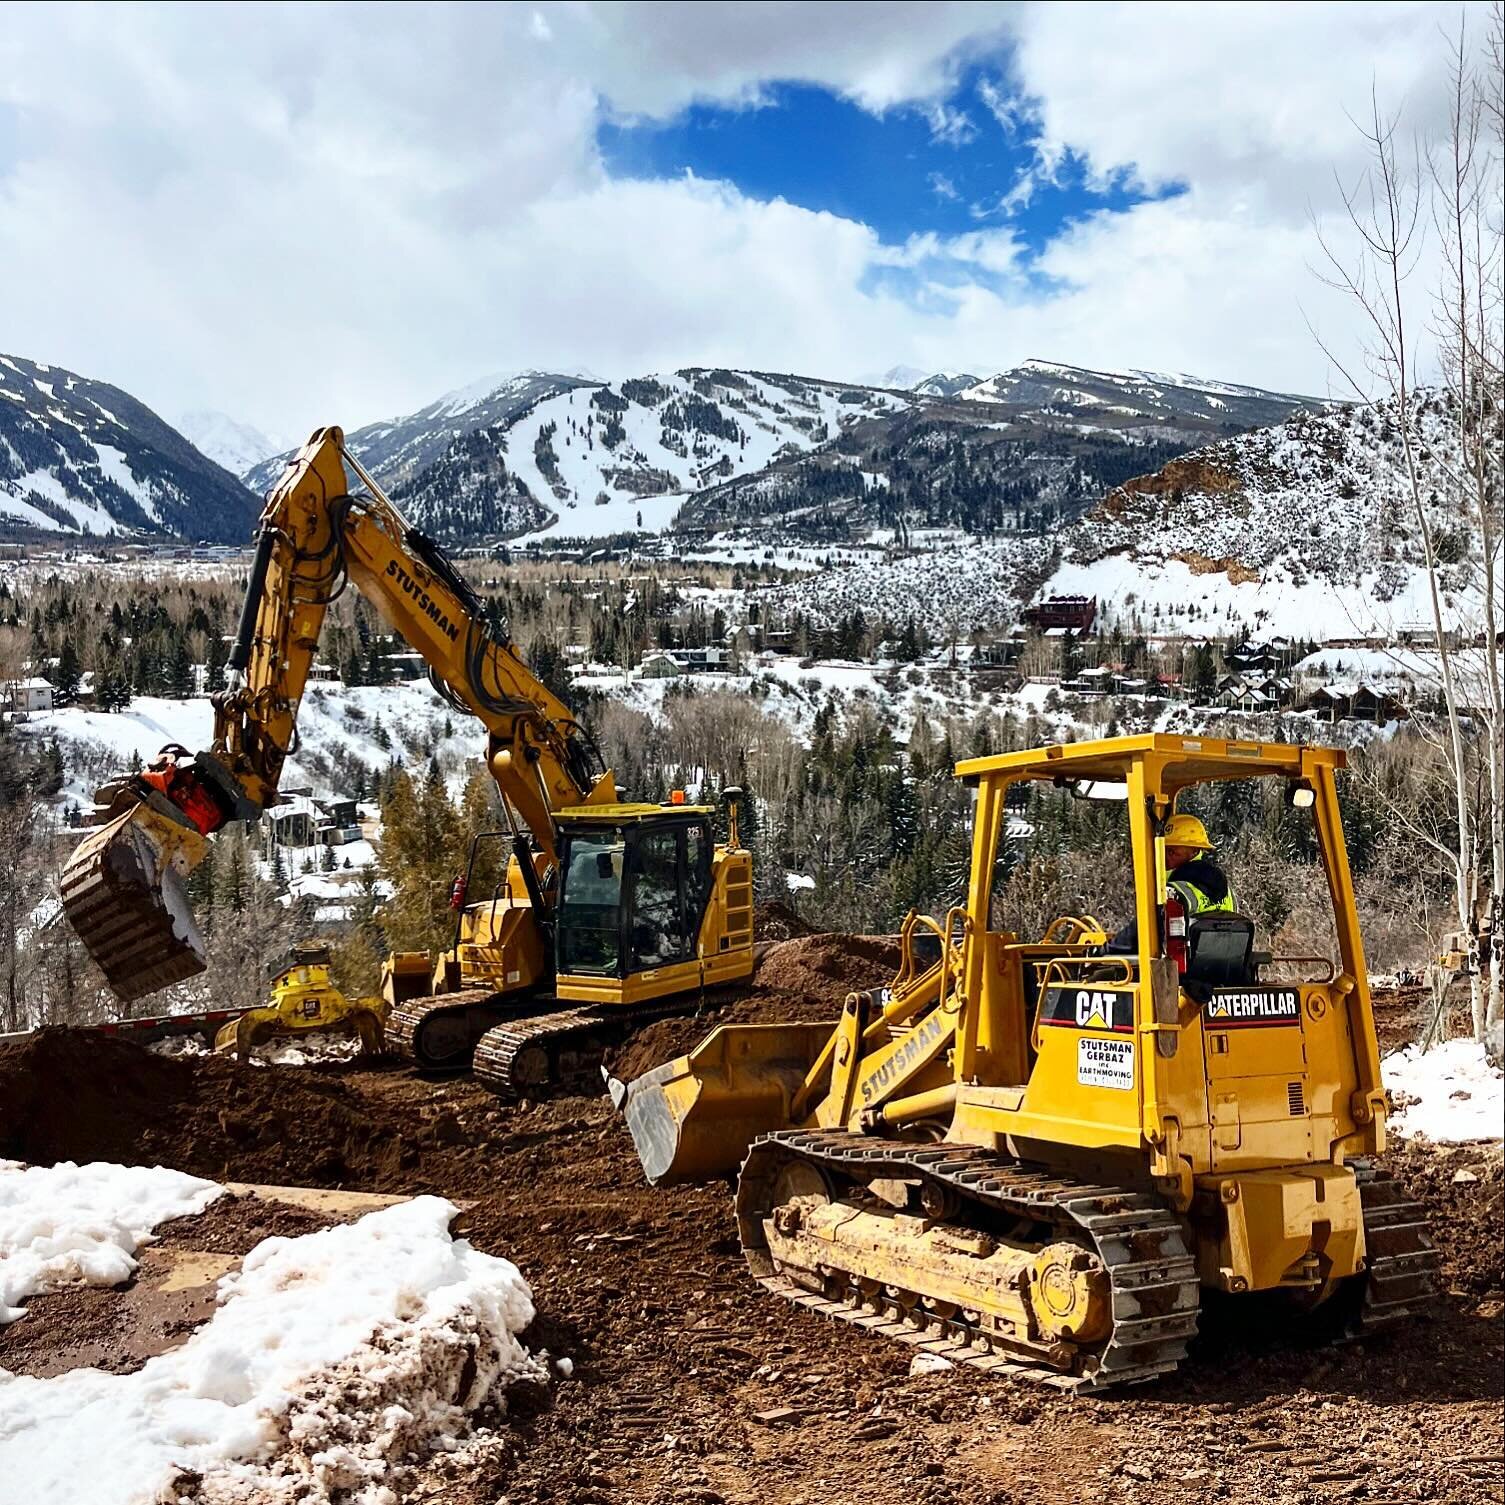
point(396, 449)
point(1303, 528)
point(951, 590)
point(338, 726)
point(616, 446)
point(1020, 453)
point(228, 442)
point(80, 456)
point(1183, 405)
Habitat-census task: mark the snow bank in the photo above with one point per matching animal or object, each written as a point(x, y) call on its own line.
point(331, 1359)
point(82, 1224)
point(308, 1051)
point(1451, 1094)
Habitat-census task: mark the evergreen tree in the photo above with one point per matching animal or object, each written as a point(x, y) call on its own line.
point(66, 675)
point(216, 656)
point(50, 775)
point(180, 671)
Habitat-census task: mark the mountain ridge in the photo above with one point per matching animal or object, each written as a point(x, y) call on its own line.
point(79, 456)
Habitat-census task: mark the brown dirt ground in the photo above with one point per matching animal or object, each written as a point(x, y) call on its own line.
point(1400, 1015)
point(676, 1353)
point(802, 978)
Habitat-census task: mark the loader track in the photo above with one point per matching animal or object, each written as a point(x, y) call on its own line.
point(1403, 1263)
point(564, 1050)
point(1140, 1241)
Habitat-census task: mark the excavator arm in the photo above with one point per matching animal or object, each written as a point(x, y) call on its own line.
point(122, 888)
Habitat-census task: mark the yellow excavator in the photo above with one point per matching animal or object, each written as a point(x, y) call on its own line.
point(1033, 1154)
point(622, 911)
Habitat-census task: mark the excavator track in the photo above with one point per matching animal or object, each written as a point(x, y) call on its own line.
point(1401, 1282)
point(440, 1033)
point(1139, 1241)
point(565, 1050)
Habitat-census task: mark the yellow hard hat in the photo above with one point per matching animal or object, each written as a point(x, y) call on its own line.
point(1187, 831)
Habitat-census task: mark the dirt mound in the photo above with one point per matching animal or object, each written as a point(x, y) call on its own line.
point(828, 967)
point(778, 922)
point(1463, 1191)
point(73, 1096)
point(805, 978)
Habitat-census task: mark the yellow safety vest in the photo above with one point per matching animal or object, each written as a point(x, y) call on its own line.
point(1195, 900)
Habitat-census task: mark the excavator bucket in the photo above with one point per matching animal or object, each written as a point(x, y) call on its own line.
point(693, 1118)
point(122, 892)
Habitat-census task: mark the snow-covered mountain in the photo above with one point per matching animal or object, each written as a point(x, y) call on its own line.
point(396, 449)
point(925, 383)
point(228, 442)
point(587, 461)
point(945, 384)
point(1305, 527)
point(1018, 453)
point(1120, 400)
point(80, 456)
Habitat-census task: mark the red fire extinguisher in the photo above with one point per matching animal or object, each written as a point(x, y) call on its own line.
point(1175, 929)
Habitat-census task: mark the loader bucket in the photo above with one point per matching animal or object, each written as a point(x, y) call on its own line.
point(122, 892)
point(692, 1119)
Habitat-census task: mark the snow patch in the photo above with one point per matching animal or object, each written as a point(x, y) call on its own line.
point(72, 1224)
point(331, 1361)
point(1451, 1094)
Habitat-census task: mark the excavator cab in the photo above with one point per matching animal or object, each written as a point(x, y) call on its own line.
point(648, 906)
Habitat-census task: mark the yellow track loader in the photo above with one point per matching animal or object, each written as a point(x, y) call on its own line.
point(1033, 1154)
point(304, 1002)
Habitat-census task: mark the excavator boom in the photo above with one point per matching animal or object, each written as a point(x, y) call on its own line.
point(122, 888)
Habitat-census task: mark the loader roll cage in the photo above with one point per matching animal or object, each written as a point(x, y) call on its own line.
point(1152, 770)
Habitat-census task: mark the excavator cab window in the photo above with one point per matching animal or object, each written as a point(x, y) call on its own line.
point(590, 905)
point(633, 899)
point(658, 928)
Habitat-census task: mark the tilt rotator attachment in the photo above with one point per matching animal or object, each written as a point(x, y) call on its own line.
point(122, 889)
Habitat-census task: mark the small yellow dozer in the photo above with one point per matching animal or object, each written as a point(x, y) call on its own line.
point(1032, 1154)
point(304, 1002)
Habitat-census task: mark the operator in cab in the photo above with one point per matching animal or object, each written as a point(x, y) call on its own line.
point(1200, 884)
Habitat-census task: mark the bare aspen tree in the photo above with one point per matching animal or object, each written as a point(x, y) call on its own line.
point(1467, 212)
point(1387, 212)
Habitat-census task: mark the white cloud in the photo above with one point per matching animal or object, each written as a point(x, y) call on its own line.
point(949, 125)
point(308, 215)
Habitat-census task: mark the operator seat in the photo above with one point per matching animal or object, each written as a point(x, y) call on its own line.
point(1220, 950)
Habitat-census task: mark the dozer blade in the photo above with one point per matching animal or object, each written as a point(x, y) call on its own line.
point(692, 1119)
point(122, 892)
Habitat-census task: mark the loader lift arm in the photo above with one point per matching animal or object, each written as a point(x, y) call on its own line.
point(121, 888)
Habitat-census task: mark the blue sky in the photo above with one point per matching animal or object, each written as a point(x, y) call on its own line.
point(948, 168)
point(851, 222)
